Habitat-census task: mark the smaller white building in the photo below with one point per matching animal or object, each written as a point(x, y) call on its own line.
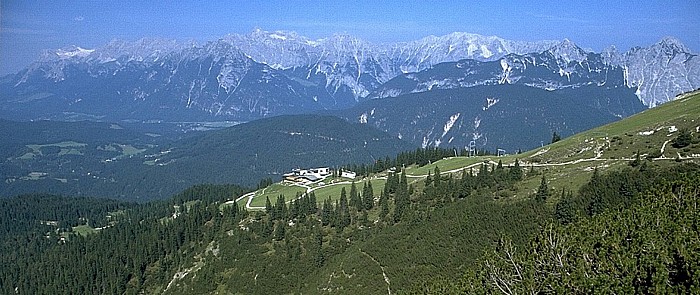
point(348, 174)
point(323, 171)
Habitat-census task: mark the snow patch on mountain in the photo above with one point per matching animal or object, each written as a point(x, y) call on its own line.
point(448, 125)
point(489, 103)
point(363, 118)
point(74, 51)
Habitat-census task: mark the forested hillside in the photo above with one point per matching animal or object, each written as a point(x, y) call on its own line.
point(625, 243)
point(426, 236)
point(118, 161)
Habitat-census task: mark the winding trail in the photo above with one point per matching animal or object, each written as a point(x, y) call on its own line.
point(663, 148)
point(386, 278)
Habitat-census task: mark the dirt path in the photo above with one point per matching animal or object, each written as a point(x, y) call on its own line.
point(663, 148)
point(386, 278)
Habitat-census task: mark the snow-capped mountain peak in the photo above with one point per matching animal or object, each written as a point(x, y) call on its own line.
point(672, 45)
point(73, 51)
point(568, 51)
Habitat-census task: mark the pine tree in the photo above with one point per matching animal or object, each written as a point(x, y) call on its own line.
point(278, 208)
point(343, 212)
point(317, 249)
point(368, 196)
point(401, 203)
point(355, 198)
point(683, 139)
point(555, 137)
point(542, 191)
point(515, 173)
point(403, 183)
point(438, 177)
point(384, 203)
point(268, 206)
point(565, 211)
point(364, 221)
point(312, 206)
point(637, 160)
point(268, 227)
point(279, 231)
point(327, 212)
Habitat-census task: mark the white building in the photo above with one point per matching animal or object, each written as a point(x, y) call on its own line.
point(348, 174)
point(307, 175)
point(323, 171)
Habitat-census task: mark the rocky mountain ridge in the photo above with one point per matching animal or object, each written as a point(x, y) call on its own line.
point(261, 74)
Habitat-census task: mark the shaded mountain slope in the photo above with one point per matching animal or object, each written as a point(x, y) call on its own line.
point(510, 117)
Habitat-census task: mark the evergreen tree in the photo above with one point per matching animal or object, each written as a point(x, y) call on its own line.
point(555, 137)
point(483, 171)
point(384, 204)
point(327, 212)
point(565, 210)
point(637, 160)
point(268, 227)
point(343, 212)
point(317, 249)
point(515, 173)
point(368, 195)
point(355, 198)
point(312, 205)
point(683, 139)
point(364, 221)
point(268, 205)
point(542, 191)
point(402, 200)
point(294, 208)
point(280, 209)
point(438, 177)
point(279, 231)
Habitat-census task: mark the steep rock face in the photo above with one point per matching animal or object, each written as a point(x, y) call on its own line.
point(657, 73)
point(261, 74)
point(350, 62)
point(661, 71)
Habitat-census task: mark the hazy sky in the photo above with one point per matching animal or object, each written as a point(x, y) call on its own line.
point(28, 27)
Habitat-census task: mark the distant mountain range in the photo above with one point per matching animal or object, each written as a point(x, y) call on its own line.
point(262, 74)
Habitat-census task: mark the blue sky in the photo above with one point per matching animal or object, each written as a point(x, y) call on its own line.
point(27, 27)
